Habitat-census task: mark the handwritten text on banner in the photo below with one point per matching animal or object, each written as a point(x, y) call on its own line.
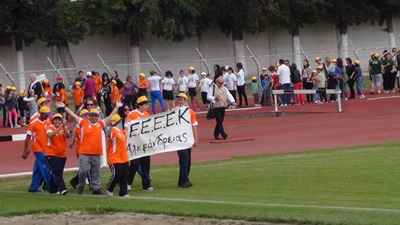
point(163, 132)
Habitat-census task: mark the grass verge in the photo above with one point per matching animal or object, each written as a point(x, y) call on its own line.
point(355, 185)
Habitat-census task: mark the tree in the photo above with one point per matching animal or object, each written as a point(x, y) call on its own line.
point(238, 16)
point(170, 19)
point(19, 24)
point(293, 15)
point(387, 10)
point(64, 23)
point(343, 13)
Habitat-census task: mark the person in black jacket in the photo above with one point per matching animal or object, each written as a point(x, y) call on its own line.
point(22, 107)
point(295, 78)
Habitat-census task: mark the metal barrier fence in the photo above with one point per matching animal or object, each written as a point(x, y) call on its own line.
point(328, 91)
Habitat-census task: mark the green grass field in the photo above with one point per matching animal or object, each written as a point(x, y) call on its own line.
point(355, 185)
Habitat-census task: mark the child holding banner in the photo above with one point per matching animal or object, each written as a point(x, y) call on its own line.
point(185, 157)
point(141, 112)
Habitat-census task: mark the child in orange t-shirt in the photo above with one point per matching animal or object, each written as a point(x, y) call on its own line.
point(114, 93)
point(117, 158)
point(56, 153)
point(77, 94)
point(61, 97)
point(47, 90)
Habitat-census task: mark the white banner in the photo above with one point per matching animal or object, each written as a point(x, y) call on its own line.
point(163, 132)
point(41, 77)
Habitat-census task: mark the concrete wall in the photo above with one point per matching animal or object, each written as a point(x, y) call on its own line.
point(217, 48)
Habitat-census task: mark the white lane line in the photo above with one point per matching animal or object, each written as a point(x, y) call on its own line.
point(344, 208)
point(380, 98)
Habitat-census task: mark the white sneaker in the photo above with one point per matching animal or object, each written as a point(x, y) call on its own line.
point(129, 187)
point(126, 196)
point(17, 126)
point(109, 193)
point(149, 189)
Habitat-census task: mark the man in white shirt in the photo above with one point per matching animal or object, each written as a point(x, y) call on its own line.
point(284, 80)
point(230, 83)
point(154, 83)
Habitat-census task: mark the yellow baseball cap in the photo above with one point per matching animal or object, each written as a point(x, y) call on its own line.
point(77, 83)
point(94, 111)
point(116, 118)
point(277, 65)
point(41, 100)
point(334, 60)
point(356, 61)
point(142, 99)
point(191, 68)
point(13, 88)
point(83, 112)
point(314, 71)
point(317, 59)
point(142, 75)
point(264, 69)
point(57, 115)
point(376, 55)
point(114, 82)
point(22, 92)
point(182, 95)
point(253, 78)
point(46, 110)
point(319, 67)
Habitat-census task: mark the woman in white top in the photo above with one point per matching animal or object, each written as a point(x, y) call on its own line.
point(241, 85)
point(167, 85)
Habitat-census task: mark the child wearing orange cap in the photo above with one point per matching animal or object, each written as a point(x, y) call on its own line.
point(77, 94)
point(47, 89)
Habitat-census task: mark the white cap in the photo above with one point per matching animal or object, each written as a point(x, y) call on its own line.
point(89, 73)
point(203, 73)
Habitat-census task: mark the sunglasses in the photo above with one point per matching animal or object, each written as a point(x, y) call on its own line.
point(127, 109)
point(93, 114)
point(90, 104)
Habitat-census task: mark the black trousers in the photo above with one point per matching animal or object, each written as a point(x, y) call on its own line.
point(242, 93)
point(119, 175)
point(219, 118)
point(332, 85)
point(108, 106)
point(351, 83)
point(185, 162)
point(144, 162)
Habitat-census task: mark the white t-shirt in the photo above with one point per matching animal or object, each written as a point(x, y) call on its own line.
point(193, 78)
point(182, 82)
point(230, 81)
point(283, 74)
point(154, 82)
point(205, 84)
point(168, 83)
point(240, 78)
point(225, 77)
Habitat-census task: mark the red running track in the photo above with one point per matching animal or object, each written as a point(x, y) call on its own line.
point(369, 121)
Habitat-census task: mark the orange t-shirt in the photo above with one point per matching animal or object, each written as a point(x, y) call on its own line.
point(36, 116)
point(57, 145)
point(97, 80)
point(135, 114)
point(47, 93)
point(60, 95)
point(37, 130)
point(77, 94)
point(116, 148)
point(115, 95)
point(91, 137)
point(193, 118)
point(143, 83)
point(77, 138)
